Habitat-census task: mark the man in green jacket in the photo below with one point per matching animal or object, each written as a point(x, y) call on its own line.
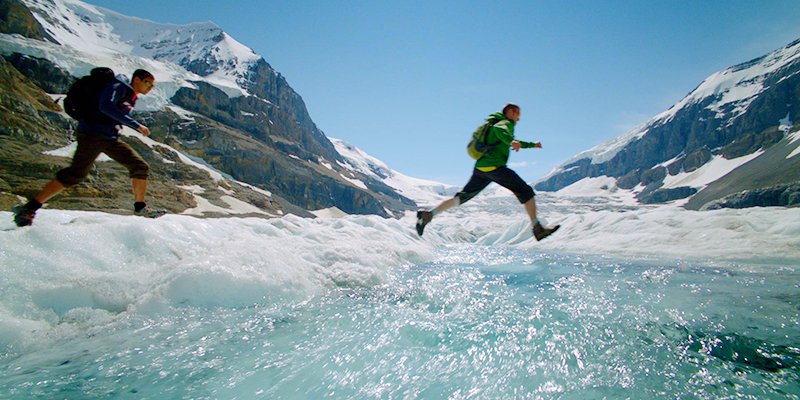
point(492, 168)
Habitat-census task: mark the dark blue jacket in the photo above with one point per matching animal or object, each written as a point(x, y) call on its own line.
point(116, 102)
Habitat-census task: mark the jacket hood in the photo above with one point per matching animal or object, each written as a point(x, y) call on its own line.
point(497, 117)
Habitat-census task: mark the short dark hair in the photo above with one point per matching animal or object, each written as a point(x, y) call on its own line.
point(510, 106)
point(142, 74)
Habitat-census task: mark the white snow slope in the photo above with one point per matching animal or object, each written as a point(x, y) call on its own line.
point(74, 271)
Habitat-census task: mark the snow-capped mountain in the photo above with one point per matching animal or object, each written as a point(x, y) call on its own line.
point(739, 119)
point(200, 48)
point(215, 99)
point(421, 191)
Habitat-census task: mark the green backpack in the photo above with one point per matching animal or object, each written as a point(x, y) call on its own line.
point(479, 142)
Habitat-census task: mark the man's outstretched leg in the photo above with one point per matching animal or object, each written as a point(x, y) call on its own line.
point(424, 217)
point(539, 232)
point(140, 208)
point(24, 213)
point(477, 182)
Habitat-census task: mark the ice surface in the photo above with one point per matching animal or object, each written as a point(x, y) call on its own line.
point(97, 305)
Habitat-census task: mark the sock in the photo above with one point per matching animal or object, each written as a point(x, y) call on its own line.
point(33, 205)
point(536, 222)
point(138, 206)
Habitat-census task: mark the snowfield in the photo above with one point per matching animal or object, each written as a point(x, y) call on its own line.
point(73, 270)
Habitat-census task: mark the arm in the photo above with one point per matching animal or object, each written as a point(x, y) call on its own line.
point(530, 145)
point(110, 97)
point(506, 135)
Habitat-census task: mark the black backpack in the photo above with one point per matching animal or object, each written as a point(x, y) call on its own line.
point(83, 97)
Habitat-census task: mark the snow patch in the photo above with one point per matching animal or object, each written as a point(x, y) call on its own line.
point(420, 190)
point(711, 171)
point(331, 212)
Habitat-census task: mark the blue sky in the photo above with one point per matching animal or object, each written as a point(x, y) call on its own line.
point(408, 81)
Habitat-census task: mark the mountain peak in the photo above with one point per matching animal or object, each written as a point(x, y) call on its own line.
point(202, 48)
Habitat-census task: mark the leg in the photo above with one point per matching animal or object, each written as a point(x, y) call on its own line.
point(87, 151)
point(530, 207)
point(446, 205)
point(476, 184)
point(137, 168)
point(52, 188)
point(139, 189)
point(510, 180)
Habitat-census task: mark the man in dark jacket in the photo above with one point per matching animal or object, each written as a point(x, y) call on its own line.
point(491, 167)
point(99, 133)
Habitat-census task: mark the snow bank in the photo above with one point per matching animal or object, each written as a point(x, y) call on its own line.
point(598, 218)
point(72, 270)
point(75, 271)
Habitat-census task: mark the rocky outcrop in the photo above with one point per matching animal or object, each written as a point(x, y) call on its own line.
point(43, 73)
point(15, 18)
point(665, 195)
point(277, 152)
point(781, 195)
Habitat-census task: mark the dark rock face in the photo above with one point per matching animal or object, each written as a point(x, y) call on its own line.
point(696, 160)
point(278, 152)
point(665, 195)
point(695, 135)
point(43, 73)
point(781, 195)
point(16, 18)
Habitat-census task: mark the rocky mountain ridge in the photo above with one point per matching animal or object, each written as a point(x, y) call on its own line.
point(735, 113)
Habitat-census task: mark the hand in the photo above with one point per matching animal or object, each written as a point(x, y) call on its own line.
point(144, 130)
point(537, 145)
point(516, 145)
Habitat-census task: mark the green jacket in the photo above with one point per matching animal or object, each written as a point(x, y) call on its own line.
point(502, 134)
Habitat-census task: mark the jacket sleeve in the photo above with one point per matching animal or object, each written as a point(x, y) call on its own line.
point(110, 99)
point(501, 132)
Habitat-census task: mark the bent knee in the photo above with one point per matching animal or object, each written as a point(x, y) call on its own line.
point(71, 177)
point(140, 170)
point(524, 195)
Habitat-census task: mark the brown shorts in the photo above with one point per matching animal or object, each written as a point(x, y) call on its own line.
point(89, 148)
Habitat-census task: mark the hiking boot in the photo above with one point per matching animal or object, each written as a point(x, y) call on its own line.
point(23, 216)
point(540, 232)
point(148, 212)
point(423, 218)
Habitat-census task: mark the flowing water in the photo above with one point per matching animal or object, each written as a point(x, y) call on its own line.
point(471, 322)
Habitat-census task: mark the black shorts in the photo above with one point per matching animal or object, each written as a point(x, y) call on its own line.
point(503, 176)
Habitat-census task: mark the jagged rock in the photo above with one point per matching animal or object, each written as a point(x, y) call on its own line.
point(654, 175)
point(675, 167)
point(630, 180)
point(696, 159)
point(750, 143)
point(665, 195)
point(777, 196)
point(42, 72)
point(16, 18)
